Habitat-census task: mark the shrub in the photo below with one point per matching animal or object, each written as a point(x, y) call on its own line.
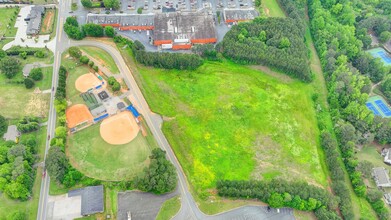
point(3, 125)
point(95, 68)
point(23, 55)
point(74, 52)
point(90, 63)
point(36, 74)
point(116, 86)
point(109, 31)
point(40, 54)
point(29, 83)
point(84, 59)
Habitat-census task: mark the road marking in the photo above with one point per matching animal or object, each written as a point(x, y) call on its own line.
point(60, 27)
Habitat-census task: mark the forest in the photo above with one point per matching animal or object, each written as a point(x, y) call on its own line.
point(275, 42)
point(16, 172)
point(340, 30)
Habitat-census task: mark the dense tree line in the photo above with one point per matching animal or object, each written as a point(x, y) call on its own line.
point(276, 42)
point(159, 177)
point(61, 87)
point(28, 124)
point(77, 32)
point(165, 60)
point(16, 172)
point(3, 125)
point(346, 71)
point(280, 193)
point(207, 51)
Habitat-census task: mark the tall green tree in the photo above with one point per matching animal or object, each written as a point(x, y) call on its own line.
point(113, 4)
point(56, 163)
point(10, 66)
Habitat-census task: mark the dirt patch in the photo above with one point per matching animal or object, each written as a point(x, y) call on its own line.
point(47, 22)
point(267, 12)
point(284, 78)
point(78, 114)
point(37, 106)
point(86, 82)
point(119, 129)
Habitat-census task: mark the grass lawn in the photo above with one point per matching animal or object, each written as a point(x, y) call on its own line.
point(14, 97)
point(105, 59)
point(5, 19)
point(46, 82)
point(30, 207)
point(272, 9)
point(169, 208)
point(90, 154)
point(226, 114)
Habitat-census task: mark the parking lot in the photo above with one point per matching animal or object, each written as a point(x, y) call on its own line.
point(142, 206)
point(153, 6)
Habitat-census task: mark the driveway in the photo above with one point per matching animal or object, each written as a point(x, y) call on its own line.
point(21, 38)
point(63, 207)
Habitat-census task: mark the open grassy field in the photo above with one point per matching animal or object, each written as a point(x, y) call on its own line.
point(272, 9)
point(103, 57)
point(226, 114)
point(7, 23)
point(90, 154)
point(169, 208)
point(30, 207)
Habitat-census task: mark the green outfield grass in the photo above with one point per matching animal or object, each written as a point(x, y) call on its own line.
point(233, 122)
point(90, 154)
point(105, 59)
point(74, 71)
point(169, 208)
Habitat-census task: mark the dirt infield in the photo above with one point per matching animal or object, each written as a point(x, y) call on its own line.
point(119, 129)
point(78, 114)
point(86, 82)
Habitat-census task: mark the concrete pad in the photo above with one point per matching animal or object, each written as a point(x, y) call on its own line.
point(64, 208)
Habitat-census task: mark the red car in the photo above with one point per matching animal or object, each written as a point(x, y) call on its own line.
point(44, 174)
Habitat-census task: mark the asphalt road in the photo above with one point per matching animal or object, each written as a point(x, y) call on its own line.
point(189, 209)
point(60, 45)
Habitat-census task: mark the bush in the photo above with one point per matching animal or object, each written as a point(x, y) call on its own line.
point(140, 10)
point(74, 52)
point(36, 74)
point(84, 59)
point(29, 83)
point(90, 63)
point(116, 87)
point(40, 54)
point(111, 80)
point(385, 36)
point(23, 55)
point(109, 31)
point(86, 3)
point(95, 68)
point(93, 30)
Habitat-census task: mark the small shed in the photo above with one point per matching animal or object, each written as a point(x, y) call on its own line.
point(91, 199)
point(380, 174)
point(387, 156)
point(12, 133)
